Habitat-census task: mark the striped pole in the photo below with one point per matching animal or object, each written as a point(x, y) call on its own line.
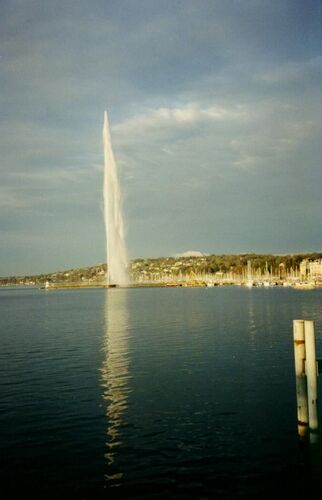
point(311, 375)
point(301, 383)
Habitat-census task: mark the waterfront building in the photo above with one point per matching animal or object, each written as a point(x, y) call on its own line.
point(315, 268)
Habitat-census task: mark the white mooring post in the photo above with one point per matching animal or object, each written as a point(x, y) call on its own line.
point(311, 374)
point(301, 383)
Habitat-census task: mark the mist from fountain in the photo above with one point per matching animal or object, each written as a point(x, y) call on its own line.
point(117, 260)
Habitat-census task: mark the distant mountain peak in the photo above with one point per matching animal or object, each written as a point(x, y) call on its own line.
point(190, 253)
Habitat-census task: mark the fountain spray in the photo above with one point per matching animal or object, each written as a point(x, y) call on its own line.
point(117, 260)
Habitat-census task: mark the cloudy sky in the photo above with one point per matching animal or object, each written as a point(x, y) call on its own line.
point(215, 112)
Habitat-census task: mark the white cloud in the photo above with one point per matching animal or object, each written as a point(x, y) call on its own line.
point(249, 135)
point(190, 114)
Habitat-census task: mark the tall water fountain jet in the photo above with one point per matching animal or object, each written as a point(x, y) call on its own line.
point(117, 260)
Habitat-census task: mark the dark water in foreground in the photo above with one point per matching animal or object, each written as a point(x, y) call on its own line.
point(153, 393)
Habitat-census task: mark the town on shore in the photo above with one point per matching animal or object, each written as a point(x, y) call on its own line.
point(195, 269)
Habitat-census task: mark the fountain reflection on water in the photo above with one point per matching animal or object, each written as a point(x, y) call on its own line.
point(117, 260)
point(115, 375)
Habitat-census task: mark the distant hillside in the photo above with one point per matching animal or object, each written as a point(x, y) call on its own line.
point(167, 266)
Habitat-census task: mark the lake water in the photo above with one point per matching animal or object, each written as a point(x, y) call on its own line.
point(153, 393)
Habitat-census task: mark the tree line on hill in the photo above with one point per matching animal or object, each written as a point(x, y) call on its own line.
point(207, 264)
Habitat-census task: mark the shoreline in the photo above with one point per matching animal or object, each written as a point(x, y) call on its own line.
point(87, 286)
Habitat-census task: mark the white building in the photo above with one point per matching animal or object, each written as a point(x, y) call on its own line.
point(311, 269)
point(315, 268)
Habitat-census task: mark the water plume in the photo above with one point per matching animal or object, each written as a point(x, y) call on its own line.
point(117, 260)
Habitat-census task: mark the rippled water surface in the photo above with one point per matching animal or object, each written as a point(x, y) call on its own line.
point(153, 393)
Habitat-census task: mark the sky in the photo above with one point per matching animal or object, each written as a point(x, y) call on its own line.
point(215, 114)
